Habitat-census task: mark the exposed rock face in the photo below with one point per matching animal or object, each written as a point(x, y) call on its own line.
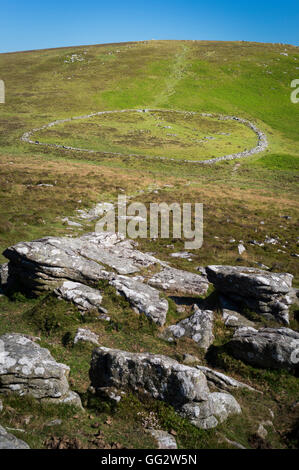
point(175, 280)
point(26, 368)
point(9, 441)
point(84, 297)
point(231, 317)
point(87, 336)
point(208, 414)
point(43, 264)
point(261, 291)
point(72, 268)
point(271, 348)
point(222, 381)
point(143, 298)
point(164, 439)
point(163, 378)
point(198, 327)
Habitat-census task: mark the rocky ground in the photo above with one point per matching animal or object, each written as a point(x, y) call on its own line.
point(80, 270)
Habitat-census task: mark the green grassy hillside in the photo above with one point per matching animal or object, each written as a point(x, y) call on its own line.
point(247, 199)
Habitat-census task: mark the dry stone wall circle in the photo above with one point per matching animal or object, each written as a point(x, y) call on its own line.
point(262, 143)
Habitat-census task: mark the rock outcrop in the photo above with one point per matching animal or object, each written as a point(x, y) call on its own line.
point(9, 441)
point(221, 381)
point(264, 292)
point(84, 297)
point(163, 378)
point(164, 439)
point(43, 264)
point(86, 336)
point(28, 369)
point(143, 298)
point(73, 267)
point(199, 327)
point(231, 316)
point(208, 414)
point(175, 280)
point(271, 348)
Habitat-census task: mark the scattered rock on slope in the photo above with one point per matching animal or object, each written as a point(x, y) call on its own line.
point(87, 336)
point(222, 381)
point(198, 327)
point(163, 378)
point(26, 368)
point(163, 439)
point(84, 297)
point(271, 348)
point(231, 316)
point(143, 298)
point(176, 280)
point(262, 291)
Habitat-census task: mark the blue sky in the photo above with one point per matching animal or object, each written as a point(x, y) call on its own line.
point(41, 24)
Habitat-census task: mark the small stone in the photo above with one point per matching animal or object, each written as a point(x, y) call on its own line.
point(86, 335)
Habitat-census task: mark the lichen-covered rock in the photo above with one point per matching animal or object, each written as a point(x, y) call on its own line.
point(84, 297)
point(163, 378)
point(271, 348)
point(262, 291)
point(26, 368)
point(160, 376)
point(86, 335)
point(176, 280)
point(45, 263)
point(199, 327)
point(222, 381)
point(208, 414)
point(9, 441)
point(164, 439)
point(231, 316)
point(143, 298)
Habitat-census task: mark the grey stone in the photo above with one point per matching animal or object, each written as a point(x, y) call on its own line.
point(262, 431)
point(160, 376)
point(8, 282)
point(199, 327)
point(234, 443)
point(189, 360)
point(84, 297)
point(143, 298)
point(26, 368)
point(86, 335)
point(271, 348)
point(45, 263)
point(175, 280)
point(9, 441)
point(208, 414)
point(262, 291)
point(182, 254)
point(54, 422)
point(164, 439)
point(163, 378)
point(222, 381)
point(231, 316)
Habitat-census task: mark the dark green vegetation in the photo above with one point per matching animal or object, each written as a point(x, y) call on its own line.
point(246, 79)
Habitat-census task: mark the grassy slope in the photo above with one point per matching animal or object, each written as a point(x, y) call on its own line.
point(228, 78)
